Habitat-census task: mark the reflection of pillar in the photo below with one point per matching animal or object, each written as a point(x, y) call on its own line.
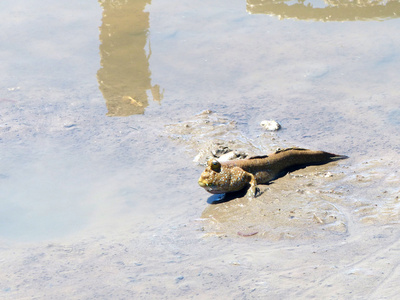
point(333, 10)
point(124, 76)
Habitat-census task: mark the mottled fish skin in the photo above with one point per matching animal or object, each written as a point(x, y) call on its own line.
point(234, 175)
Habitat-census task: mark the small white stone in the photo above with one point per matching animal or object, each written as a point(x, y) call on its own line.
point(227, 156)
point(270, 125)
point(231, 156)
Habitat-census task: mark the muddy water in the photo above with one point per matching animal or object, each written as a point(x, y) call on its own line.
point(98, 192)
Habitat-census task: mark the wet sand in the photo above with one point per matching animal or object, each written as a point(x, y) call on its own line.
point(98, 204)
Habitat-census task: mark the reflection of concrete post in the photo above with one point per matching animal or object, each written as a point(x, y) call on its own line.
point(334, 10)
point(124, 76)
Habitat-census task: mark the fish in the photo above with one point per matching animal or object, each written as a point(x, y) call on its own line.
point(235, 175)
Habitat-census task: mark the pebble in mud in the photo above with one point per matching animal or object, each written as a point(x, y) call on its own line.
point(232, 155)
point(270, 125)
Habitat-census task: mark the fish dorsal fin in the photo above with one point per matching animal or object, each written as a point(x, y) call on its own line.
point(277, 151)
point(287, 149)
point(258, 157)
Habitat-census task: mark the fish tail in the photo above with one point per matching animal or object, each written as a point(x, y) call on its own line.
point(334, 157)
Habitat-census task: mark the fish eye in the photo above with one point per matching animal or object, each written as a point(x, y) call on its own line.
point(215, 165)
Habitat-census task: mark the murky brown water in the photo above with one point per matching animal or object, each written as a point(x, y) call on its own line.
point(98, 187)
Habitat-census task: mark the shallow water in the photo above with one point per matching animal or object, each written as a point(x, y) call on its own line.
point(99, 198)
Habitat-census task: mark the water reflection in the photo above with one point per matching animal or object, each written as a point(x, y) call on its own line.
point(124, 77)
point(327, 10)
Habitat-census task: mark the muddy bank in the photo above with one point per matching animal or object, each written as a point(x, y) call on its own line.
point(313, 202)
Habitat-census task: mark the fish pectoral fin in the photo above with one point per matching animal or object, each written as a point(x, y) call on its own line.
point(252, 191)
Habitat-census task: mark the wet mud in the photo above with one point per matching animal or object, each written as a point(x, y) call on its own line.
point(293, 206)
